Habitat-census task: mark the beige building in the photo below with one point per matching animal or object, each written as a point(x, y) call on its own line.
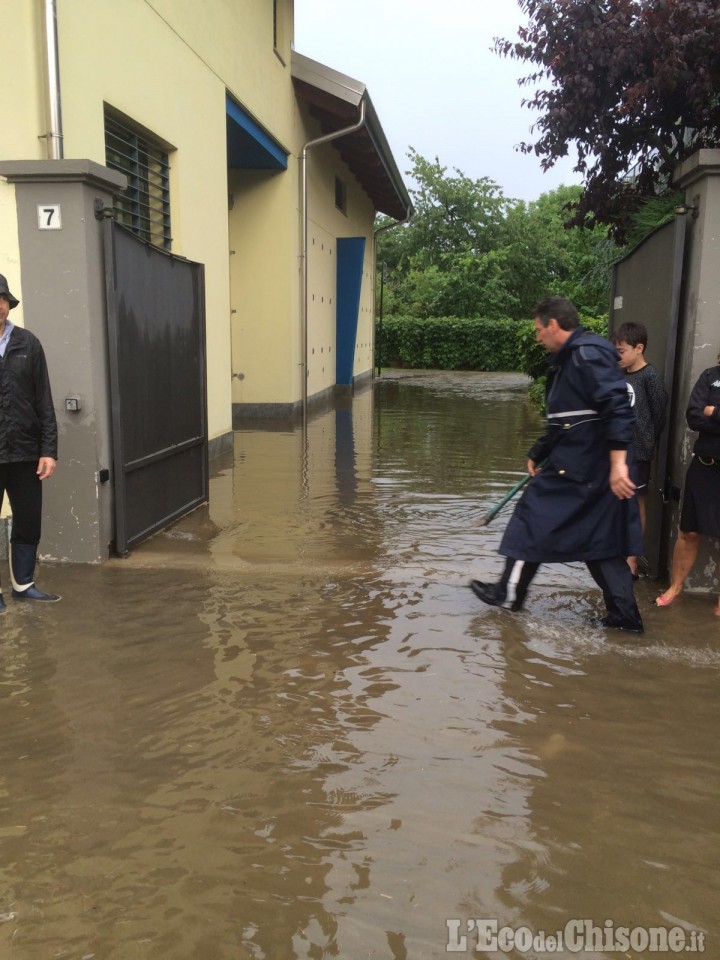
point(200, 130)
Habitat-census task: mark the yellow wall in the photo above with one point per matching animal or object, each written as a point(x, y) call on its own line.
point(364, 344)
point(325, 225)
point(265, 234)
point(21, 109)
point(22, 102)
point(138, 57)
point(166, 66)
point(143, 69)
point(264, 284)
point(235, 37)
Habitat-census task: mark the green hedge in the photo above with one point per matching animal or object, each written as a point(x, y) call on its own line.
point(447, 343)
point(465, 343)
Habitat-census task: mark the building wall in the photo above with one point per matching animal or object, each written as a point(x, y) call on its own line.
point(21, 107)
point(166, 66)
point(146, 71)
point(264, 286)
point(365, 344)
point(266, 314)
point(325, 225)
point(22, 104)
point(699, 342)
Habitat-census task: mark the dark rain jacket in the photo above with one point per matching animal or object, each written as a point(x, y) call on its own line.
point(28, 429)
point(705, 393)
point(568, 511)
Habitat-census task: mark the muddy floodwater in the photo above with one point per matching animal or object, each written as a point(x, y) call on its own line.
point(285, 728)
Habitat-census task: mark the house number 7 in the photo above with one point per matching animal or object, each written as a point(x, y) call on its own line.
point(49, 216)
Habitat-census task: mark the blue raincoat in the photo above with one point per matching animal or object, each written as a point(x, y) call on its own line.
point(568, 511)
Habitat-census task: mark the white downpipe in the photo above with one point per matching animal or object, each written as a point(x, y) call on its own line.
point(54, 136)
point(304, 249)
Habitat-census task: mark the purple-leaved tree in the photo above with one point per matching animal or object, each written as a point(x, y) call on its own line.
point(634, 85)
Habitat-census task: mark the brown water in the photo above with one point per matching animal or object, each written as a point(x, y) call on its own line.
point(286, 728)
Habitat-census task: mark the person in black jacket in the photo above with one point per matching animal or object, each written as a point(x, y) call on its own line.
point(28, 444)
point(649, 400)
point(700, 514)
point(580, 503)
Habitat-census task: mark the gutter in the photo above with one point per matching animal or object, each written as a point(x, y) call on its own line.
point(304, 246)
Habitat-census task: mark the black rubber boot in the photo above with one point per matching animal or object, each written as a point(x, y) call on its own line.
point(615, 580)
point(512, 587)
point(617, 623)
point(3, 608)
point(493, 594)
point(22, 571)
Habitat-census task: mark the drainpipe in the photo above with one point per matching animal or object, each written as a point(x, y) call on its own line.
point(54, 136)
point(387, 226)
point(303, 254)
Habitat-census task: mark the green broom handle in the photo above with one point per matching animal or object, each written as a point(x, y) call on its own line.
point(506, 499)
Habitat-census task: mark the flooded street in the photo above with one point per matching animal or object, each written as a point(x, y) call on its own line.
point(285, 728)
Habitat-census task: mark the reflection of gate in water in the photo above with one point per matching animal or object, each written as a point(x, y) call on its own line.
point(646, 289)
point(156, 337)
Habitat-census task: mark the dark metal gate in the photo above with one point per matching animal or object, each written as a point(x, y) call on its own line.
point(646, 289)
point(156, 339)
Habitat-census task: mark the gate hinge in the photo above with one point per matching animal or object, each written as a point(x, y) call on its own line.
point(101, 211)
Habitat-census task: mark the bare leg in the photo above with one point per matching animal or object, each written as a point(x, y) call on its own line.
point(684, 556)
point(633, 561)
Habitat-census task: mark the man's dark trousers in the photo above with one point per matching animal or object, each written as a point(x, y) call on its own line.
point(24, 489)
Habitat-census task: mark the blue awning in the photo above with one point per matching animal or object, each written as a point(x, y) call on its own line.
point(249, 147)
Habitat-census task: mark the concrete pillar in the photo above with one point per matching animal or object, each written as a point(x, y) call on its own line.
point(699, 329)
point(62, 289)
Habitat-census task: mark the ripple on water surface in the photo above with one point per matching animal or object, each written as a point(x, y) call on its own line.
point(286, 728)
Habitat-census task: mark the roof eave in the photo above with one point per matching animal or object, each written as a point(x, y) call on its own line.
point(345, 90)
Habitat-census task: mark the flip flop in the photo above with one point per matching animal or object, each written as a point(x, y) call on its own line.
point(662, 601)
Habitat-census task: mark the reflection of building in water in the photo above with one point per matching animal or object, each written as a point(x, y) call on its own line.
point(301, 497)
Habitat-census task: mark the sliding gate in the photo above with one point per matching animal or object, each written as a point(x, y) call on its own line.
point(156, 340)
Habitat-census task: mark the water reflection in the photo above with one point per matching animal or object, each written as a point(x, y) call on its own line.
point(285, 728)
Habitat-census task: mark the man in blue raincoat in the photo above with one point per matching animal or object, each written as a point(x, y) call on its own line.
point(579, 504)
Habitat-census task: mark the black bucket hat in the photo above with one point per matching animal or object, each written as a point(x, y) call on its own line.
point(4, 291)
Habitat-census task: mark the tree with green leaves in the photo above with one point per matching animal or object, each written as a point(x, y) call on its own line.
point(471, 252)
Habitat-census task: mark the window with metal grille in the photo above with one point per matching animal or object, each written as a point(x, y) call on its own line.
point(145, 206)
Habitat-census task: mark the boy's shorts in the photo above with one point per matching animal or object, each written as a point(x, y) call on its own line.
point(640, 476)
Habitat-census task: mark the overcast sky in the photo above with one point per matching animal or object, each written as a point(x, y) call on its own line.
point(435, 82)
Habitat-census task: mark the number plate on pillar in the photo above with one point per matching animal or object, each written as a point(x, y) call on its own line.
point(49, 216)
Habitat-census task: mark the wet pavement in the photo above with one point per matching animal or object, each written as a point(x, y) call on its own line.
point(285, 728)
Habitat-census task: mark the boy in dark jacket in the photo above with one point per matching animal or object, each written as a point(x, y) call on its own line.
point(580, 503)
point(28, 444)
point(649, 399)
